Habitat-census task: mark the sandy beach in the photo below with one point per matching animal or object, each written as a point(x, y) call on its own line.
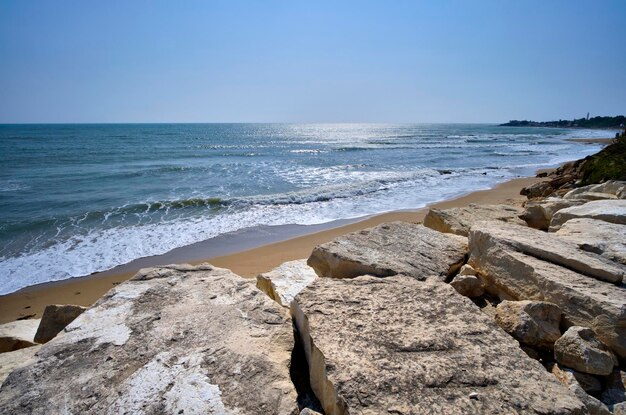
point(248, 255)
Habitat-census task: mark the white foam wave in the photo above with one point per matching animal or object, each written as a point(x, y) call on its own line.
point(104, 249)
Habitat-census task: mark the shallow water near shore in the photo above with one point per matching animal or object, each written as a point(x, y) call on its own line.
point(76, 199)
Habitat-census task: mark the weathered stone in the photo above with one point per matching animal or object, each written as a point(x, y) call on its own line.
point(615, 391)
point(540, 189)
point(468, 285)
point(584, 301)
point(589, 383)
point(402, 346)
point(613, 211)
point(467, 270)
point(588, 196)
point(284, 282)
point(535, 323)
point(10, 361)
point(17, 335)
point(613, 188)
point(552, 248)
point(171, 340)
point(459, 220)
point(390, 249)
point(591, 235)
point(580, 350)
point(55, 318)
point(568, 378)
point(538, 213)
point(308, 411)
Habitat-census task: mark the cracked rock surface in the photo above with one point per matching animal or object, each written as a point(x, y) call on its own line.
point(390, 249)
point(584, 301)
point(176, 339)
point(551, 248)
point(284, 282)
point(402, 346)
point(612, 211)
point(459, 220)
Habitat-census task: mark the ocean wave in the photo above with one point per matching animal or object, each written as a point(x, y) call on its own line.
point(101, 249)
point(212, 182)
point(13, 186)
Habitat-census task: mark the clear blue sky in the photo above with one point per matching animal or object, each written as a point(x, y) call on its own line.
point(314, 61)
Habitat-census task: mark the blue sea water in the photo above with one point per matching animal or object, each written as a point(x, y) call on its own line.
point(76, 199)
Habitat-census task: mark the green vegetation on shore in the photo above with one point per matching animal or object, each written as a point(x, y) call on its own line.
point(607, 164)
point(595, 122)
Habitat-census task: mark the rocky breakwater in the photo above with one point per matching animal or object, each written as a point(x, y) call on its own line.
point(396, 319)
point(177, 339)
point(577, 269)
point(384, 333)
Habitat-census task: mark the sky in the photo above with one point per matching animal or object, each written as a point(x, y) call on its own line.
point(314, 61)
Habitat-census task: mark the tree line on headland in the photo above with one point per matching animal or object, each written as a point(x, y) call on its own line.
point(594, 122)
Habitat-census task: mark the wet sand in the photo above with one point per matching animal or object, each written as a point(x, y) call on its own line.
point(247, 253)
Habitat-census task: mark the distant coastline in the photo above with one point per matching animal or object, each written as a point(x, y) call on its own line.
point(609, 123)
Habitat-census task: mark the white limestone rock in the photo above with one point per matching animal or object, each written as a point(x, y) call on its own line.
point(597, 236)
point(398, 345)
point(390, 249)
point(610, 190)
point(458, 221)
point(10, 361)
point(284, 282)
point(538, 213)
point(171, 340)
point(612, 211)
point(554, 249)
point(584, 301)
point(18, 334)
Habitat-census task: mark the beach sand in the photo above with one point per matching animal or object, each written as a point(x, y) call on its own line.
point(249, 261)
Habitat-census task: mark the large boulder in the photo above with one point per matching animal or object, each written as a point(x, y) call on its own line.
point(284, 282)
point(534, 323)
point(54, 319)
point(468, 285)
point(612, 211)
point(552, 248)
point(580, 350)
point(176, 339)
point(401, 346)
point(584, 301)
point(612, 189)
point(459, 220)
point(539, 189)
point(10, 361)
point(538, 213)
point(17, 335)
point(390, 249)
point(591, 235)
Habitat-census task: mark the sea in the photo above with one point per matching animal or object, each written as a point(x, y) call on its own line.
point(81, 198)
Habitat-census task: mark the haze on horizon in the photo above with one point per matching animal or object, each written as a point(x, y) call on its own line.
point(285, 61)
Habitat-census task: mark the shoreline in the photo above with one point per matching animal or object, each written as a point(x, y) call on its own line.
point(247, 252)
